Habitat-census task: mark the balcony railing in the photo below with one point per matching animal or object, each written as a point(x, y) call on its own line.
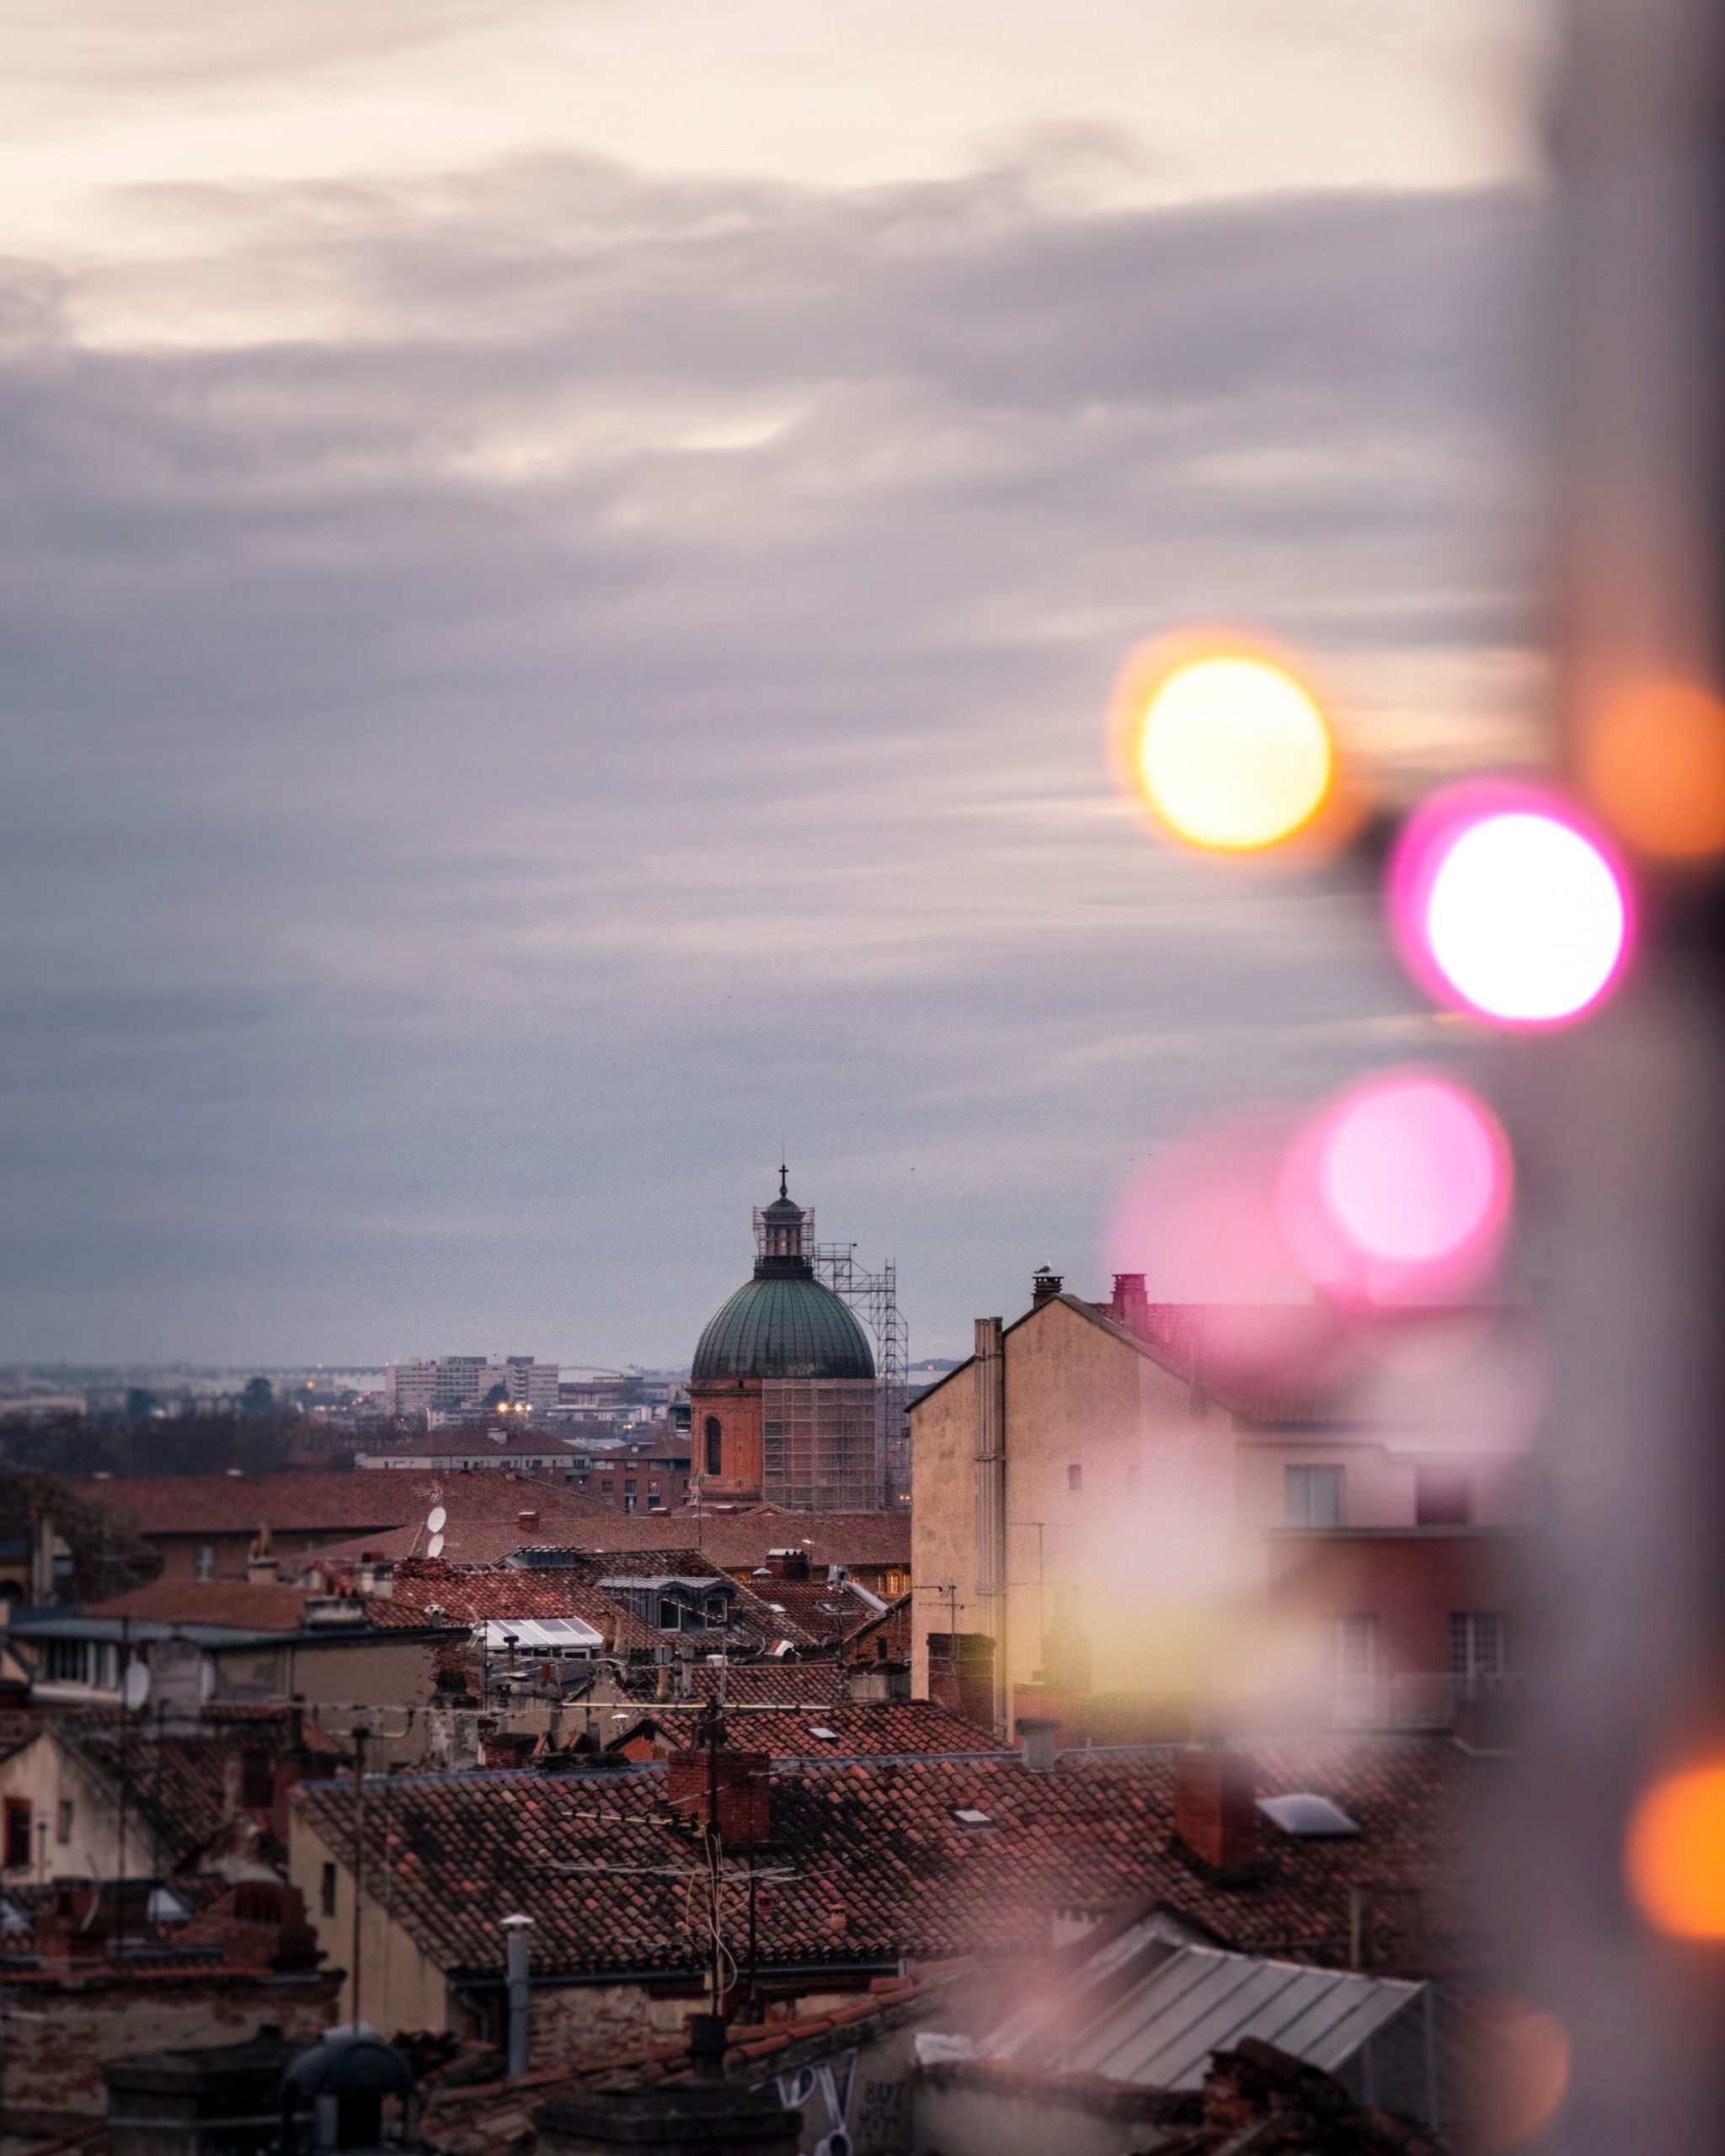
point(1420, 1701)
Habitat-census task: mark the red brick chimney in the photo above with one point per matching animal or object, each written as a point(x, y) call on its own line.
point(1129, 1306)
point(1215, 1807)
point(788, 1563)
point(71, 1928)
point(745, 1793)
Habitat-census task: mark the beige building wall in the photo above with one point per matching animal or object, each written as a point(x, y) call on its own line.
point(1142, 1521)
point(400, 1986)
point(62, 1791)
point(377, 1674)
point(1132, 1492)
point(943, 1517)
point(1124, 1549)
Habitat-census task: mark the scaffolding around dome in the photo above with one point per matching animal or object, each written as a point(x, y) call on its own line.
point(874, 1297)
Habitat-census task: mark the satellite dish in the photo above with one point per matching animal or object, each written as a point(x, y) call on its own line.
point(436, 1520)
point(434, 1548)
point(135, 1685)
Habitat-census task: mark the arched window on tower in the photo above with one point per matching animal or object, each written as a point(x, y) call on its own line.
point(715, 1448)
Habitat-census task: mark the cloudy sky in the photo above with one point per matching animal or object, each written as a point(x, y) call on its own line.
point(563, 570)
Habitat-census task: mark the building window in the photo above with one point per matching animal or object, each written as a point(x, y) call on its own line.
point(62, 1821)
point(1074, 1476)
point(256, 1780)
point(608, 1486)
point(204, 1564)
point(80, 1661)
point(18, 1834)
point(1476, 1645)
point(1311, 1497)
point(327, 1893)
point(1357, 1647)
point(1443, 1496)
point(715, 1446)
point(655, 1503)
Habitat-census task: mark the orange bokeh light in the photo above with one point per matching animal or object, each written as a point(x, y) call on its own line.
point(1674, 1856)
point(1655, 764)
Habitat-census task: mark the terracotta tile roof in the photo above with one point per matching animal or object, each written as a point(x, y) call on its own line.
point(882, 1866)
point(891, 1629)
point(743, 1539)
point(339, 1505)
point(469, 1597)
point(735, 1542)
point(568, 1588)
point(750, 1607)
point(780, 1683)
point(893, 1729)
point(237, 1603)
point(245, 1606)
point(468, 1440)
point(825, 1613)
point(178, 1784)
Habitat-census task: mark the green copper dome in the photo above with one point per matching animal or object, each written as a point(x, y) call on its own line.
point(783, 1327)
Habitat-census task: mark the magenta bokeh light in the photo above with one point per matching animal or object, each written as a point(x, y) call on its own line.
point(1505, 903)
point(1399, 1190)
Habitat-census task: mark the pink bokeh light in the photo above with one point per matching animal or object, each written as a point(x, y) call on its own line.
point(1506, 904)
point(1398, 1191)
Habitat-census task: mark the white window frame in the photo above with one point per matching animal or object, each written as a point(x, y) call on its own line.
point(1300, 1503)
point(1479, 1646)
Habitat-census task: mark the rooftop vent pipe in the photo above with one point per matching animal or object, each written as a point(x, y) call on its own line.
point(518, 1950)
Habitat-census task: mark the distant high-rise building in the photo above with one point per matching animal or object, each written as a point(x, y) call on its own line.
point(450, 1384)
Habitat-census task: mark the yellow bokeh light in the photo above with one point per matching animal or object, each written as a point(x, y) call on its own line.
point(1232, 753)
point(1674, 1856)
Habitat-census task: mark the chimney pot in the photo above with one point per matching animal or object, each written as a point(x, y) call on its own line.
point(1130, 1307)
point(1036, 1736)
point(1044, 1286)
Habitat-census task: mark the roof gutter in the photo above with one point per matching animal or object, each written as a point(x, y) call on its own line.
point(574, 1979)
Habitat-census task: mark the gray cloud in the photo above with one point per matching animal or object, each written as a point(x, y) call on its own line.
point(618, 674)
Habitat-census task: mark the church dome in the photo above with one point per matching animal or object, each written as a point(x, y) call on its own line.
point(781, 1328)
point(783, 1323)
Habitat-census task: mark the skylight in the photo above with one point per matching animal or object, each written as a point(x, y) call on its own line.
point(1301, 1812)
point(967, 1817)
point(827, 1736)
